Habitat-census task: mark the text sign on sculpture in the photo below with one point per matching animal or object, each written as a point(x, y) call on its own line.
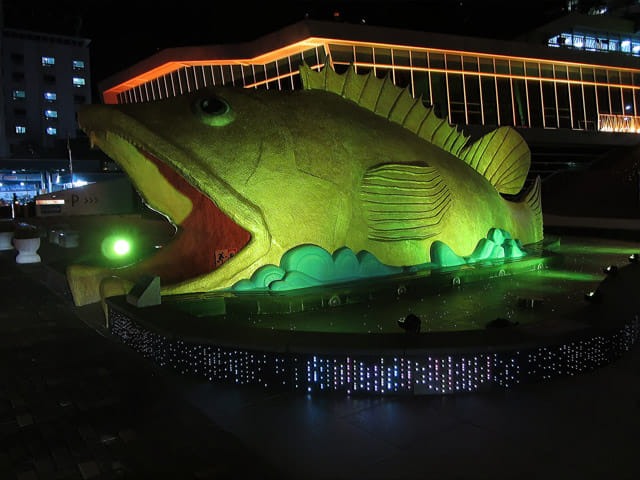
point(351, 161)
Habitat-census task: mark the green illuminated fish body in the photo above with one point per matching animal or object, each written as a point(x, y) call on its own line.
point(351, 160)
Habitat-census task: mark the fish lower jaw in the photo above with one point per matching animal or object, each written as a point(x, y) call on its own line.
point(223, 277)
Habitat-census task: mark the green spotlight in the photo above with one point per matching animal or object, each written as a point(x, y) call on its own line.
point(121, 247)
point(116, 247)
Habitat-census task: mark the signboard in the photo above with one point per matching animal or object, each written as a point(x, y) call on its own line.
point(111, 197)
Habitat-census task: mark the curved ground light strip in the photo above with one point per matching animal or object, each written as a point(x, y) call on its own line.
point(399, 372)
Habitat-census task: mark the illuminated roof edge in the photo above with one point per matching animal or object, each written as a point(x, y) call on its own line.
point(363, 33)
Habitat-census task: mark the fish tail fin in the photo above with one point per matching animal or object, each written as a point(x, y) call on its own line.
point(532, 201)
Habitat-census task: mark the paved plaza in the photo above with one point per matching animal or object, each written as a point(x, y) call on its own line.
point(75, 403)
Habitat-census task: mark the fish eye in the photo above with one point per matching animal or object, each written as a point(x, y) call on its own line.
point(213, 111)
point(214, 106)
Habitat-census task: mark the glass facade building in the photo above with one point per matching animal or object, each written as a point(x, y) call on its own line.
point(469, 87)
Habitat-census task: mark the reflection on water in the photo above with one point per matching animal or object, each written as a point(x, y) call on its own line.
point(469, 306)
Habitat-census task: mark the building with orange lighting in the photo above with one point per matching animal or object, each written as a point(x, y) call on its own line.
point(564, 101)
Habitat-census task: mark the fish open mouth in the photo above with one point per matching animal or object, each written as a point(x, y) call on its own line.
point(206, 237)
point(220, 235)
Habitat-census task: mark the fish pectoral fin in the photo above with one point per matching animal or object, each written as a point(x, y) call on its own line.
point(403, 201)
point(502, 157)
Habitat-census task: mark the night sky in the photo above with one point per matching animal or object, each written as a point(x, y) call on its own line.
point(124, 32)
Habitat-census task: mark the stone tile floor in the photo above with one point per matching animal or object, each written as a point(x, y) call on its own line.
point(76, 404)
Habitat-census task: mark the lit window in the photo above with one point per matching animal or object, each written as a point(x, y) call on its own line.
point(625, 46)
point(51, 113)
point(51, 131)
point(78, 64)
point(553, 41)
point(50, 96)
point(47, 61)
point(18, 94)
point(78, 81)
point(20, 129)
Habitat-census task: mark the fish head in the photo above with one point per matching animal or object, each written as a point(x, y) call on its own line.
point(188, 157)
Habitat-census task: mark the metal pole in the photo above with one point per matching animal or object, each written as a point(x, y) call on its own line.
point(70, 160)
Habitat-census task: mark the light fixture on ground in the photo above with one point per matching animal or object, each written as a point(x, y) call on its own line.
point(593, 297)
point(501, 323)
point(529, 303)
point(410, 323)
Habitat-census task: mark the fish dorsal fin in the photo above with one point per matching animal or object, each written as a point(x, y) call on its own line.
point(384, 98)
point(501, 156)
point(403, 201)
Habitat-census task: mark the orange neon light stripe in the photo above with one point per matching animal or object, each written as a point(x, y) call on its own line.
point(281, 77)
point(110, 95)
point(498, 75)
point(272, 79)
point(477, 54)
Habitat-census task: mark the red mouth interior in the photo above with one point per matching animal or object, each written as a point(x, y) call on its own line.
point(205, 240)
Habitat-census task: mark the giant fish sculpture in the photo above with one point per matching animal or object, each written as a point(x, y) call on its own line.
point(349, 161)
